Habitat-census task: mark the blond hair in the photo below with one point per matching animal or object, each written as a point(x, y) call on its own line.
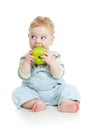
point(43, 21)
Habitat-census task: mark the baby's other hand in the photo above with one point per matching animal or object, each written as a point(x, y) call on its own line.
point(49, 59)
point(29, 58)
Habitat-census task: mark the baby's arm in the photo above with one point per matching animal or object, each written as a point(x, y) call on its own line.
point(57, 70)
point(56, 66)
point(24, 70)
point(21, 72)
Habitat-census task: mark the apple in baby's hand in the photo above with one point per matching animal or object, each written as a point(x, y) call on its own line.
point(37, 53)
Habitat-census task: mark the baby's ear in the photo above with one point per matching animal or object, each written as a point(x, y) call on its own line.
point(52, 39)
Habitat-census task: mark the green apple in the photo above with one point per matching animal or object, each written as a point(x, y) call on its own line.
point(37, 53)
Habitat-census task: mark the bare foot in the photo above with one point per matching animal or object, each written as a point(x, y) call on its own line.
point(69, 106)
point(38, 106)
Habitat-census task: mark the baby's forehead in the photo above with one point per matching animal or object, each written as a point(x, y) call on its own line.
point(40, 30)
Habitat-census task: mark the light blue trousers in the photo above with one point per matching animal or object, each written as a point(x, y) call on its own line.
point(51, 95)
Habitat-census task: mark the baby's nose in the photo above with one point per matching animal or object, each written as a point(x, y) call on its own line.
point(38, 40)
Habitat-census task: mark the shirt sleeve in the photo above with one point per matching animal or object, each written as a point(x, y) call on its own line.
point(21, 72)
point(61, 67)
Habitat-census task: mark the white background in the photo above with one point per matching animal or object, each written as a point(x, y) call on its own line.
point(70, 18)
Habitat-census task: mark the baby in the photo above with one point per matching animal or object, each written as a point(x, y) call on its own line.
point(44, 85)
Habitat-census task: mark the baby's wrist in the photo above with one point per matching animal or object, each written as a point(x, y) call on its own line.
point(26, 62)
point(26, 66)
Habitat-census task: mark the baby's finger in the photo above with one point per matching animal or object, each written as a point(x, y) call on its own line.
point(46, 53)
point(32, 57)
point(30, 52)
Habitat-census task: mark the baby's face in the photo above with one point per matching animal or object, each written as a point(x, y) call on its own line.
point(40, 36)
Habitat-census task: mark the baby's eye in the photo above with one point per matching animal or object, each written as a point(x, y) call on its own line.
point(33, 37)
point(43, 37)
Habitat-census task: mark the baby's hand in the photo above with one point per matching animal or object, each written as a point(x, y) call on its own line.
point(49, 59)
point(29, 58)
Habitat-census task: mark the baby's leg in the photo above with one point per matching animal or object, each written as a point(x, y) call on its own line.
point(69, 106)
point(35, 105)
